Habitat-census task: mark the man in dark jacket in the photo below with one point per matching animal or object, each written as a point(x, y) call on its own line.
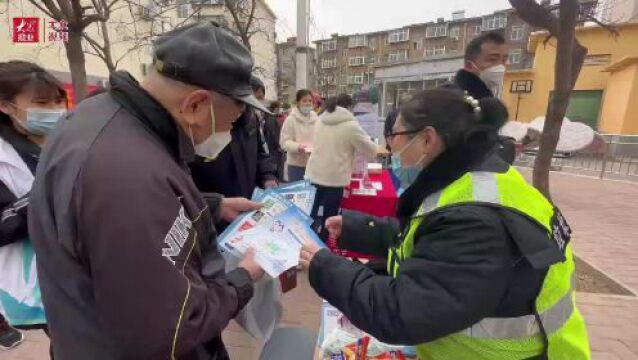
point(127, 253)
point(269, 128)
point(482, 77)
point(246, 159)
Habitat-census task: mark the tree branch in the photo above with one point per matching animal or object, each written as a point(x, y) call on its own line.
point(611, 28)
point(536, 15)
point(51, 10)
point(251, 17)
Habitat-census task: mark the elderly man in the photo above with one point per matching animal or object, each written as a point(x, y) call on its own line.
point(127, 256)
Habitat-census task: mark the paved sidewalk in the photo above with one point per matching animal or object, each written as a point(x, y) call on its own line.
point(604, 216)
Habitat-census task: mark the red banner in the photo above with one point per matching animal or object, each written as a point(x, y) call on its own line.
point(70, 94)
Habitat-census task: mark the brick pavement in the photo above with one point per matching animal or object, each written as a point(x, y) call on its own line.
point(604, 217)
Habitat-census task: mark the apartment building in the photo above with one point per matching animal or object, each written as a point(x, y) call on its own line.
point(346, 63)
point(287, 70)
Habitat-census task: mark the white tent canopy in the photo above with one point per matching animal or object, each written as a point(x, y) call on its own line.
point(574, 136)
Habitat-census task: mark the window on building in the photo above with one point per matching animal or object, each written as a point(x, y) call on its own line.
point(355, 78)
point(356, 60)
point(372, 43)
point(398, 35)
point(476, 30)
point(493, 22)
point(435, 50)
point(372, 60)
point(437, 30)
point(518, 33)
point(329, 45)
point(183, 10)
point(357, 41)
point(418, 45)
point(397, 55)
point(329, 63)
point(455, 32)
point(515, 56)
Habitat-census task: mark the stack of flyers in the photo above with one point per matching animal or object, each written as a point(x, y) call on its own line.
point(300, 193)
point(276, 232)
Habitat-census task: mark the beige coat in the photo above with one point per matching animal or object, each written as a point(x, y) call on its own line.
point(338, 137)
point(298, 129)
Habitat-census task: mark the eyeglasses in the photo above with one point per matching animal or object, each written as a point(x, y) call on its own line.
point(391, 135)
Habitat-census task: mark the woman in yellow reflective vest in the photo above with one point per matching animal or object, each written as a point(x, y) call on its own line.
point(480, 264)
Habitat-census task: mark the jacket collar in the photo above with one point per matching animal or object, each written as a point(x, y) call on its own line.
point(471, 83)
point(297, 115)
point(155, 118)
point(28, 151)
point(447, 168)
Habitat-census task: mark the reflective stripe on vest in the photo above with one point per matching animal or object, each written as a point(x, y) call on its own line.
point(557, 318)
point(525, 326)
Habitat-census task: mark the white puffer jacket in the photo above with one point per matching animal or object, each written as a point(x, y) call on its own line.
point(298, 129)
point(338, 137)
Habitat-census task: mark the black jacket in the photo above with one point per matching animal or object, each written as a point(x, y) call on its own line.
point(127, 255)
point(244, 163)
point(13, 219)
point(469, 262)
point(272, 133)
point(476, 88)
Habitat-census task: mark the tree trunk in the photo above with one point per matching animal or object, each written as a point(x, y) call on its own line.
point(108, 55)
point(77, 63)
point(570, 56)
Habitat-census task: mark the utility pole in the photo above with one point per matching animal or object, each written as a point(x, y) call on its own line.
point(303, 42)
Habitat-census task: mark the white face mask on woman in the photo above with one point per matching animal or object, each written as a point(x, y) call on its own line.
point(215, 143)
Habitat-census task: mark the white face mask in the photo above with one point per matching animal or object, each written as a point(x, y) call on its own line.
point(215, 143)
point(493, 77)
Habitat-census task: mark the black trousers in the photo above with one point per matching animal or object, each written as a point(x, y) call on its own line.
point(327, 204)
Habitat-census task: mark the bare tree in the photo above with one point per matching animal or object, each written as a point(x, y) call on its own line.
point(78, 15)
point(133, 36)
point(570, 56)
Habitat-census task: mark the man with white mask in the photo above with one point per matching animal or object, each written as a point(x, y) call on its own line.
point(126, 245)
point(484, 69)
point(482, 77)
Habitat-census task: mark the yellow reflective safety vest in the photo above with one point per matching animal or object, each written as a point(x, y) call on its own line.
point(557, 328)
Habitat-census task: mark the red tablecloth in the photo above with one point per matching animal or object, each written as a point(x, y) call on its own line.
point(383, 204)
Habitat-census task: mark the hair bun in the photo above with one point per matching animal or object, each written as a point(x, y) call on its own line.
point(492, 113)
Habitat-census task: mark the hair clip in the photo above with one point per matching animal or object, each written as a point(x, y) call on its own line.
point(472, 102)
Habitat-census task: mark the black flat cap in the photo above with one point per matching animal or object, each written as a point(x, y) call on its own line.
point(207, 56)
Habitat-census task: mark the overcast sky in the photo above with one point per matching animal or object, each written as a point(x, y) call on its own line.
point(352, 16)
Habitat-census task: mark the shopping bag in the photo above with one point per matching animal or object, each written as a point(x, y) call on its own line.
point(263, 312)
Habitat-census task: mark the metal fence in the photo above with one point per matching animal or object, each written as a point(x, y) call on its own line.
point(618, 159)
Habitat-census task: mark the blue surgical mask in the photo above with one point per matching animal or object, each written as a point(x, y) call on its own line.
point(306, 110)
point(406, 174)
point(41, 121)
